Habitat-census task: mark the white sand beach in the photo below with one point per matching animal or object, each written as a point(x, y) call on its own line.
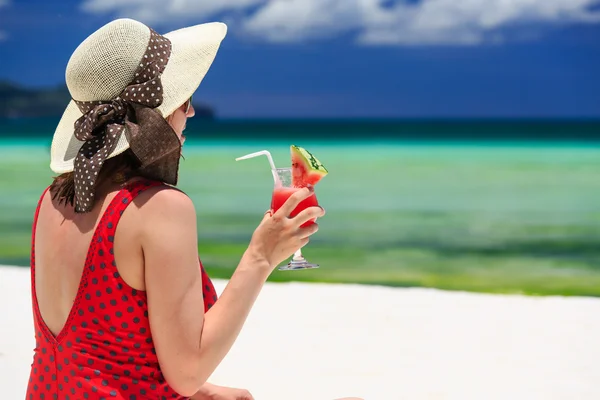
point(322, 341)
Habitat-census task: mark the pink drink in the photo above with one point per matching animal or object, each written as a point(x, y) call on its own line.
point(280, 196)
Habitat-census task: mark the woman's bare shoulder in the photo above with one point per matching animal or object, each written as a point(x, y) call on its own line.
point(164, 202)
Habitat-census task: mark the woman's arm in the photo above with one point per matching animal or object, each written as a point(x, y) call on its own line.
point(190, 345)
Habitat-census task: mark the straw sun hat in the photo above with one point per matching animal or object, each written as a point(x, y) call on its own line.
point(121, 79)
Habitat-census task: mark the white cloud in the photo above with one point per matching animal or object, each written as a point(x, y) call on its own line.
point(375, 22)
point(157, 11)
point(469, 21)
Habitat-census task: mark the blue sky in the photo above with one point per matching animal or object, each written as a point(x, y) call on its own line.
point(349, 58)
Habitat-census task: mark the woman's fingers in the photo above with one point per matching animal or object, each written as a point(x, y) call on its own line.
point(310, 213)
point(308, 231)
point(292, 202)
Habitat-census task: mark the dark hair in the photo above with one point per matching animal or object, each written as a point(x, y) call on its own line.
point(63, 186)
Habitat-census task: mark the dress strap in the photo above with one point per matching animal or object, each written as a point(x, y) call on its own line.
point(34, 225)
point(33, 229)
point(116, 209)
point(126, 196)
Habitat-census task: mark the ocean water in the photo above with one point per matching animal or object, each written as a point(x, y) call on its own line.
point(402, 210)
point(357, 130)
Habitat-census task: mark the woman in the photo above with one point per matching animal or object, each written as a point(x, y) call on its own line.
point(117, 287)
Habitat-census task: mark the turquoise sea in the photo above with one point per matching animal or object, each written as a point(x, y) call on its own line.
point(500, 212)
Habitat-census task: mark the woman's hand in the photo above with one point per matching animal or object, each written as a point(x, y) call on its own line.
point(278, 236)
point(214, 392)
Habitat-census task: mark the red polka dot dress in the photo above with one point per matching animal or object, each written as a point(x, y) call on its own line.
point(105, 349)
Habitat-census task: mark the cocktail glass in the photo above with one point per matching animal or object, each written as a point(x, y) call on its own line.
point(282, 190)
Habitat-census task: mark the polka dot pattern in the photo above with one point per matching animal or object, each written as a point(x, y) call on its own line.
point(105, 349)
point(103, 122)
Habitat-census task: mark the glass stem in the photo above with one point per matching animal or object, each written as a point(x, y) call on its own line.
point(298, 255)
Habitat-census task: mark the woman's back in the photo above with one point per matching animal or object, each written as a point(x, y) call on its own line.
point(118, 287)
point(93, 336)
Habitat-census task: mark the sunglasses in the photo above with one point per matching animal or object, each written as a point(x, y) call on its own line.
point(188, 104)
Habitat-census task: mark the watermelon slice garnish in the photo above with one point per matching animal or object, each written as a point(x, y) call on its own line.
point(306, 168)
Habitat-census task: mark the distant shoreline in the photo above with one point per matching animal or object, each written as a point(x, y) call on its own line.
point(18, 102)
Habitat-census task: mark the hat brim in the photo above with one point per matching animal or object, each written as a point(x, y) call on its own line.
point(193, 52)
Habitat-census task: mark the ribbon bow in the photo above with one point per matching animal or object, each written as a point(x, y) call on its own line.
point(103, 122)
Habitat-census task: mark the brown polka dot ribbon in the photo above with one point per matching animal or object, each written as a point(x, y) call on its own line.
point(103, 123)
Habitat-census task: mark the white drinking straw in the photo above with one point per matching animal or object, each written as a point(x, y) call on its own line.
point(262, 153)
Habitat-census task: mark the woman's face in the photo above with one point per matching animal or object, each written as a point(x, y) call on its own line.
point(178, 119)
